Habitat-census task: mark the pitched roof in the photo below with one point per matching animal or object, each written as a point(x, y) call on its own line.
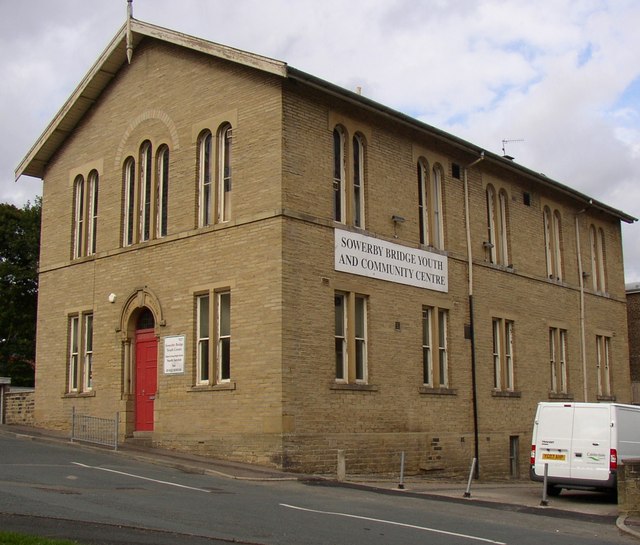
point(115, 55)
point(106, 68)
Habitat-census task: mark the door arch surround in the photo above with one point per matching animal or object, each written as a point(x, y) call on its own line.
point(138, 338)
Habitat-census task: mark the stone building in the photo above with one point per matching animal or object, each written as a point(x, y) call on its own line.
point(633, 320)
point(248, 262)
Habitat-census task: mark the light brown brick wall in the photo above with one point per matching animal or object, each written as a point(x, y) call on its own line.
point(277, 255)
point(633, 315)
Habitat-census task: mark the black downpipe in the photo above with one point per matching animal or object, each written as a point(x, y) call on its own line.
point(474, 394)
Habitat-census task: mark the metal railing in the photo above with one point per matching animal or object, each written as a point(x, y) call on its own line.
point(91, 429)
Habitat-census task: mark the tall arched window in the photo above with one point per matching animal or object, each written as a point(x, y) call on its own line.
point(205, 162)
point(423, 203)
point(92, 212)
point(358, 180)
point(436, 198)
point(552, 223)
point(78, 219)
point(129, 182)
point(225, 134)
point(491, 224)
point(339, 175)
point(557, 244)
point(162, 191)
point(596, 242)
point(146, 190)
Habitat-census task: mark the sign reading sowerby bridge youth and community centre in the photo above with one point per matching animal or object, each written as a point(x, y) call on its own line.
point(367, 256)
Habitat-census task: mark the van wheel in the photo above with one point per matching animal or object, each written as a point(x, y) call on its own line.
point(553, 490)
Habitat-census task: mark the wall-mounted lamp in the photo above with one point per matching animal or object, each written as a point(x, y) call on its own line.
point(487, 245)
point(112, 298)
point(585, 274)
point(396, 220)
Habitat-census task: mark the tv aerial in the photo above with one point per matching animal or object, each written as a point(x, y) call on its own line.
point(508, 141)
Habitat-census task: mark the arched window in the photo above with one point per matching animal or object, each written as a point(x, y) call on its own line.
point(491, 224)
point(436, 199)
point(129, 182)
point(225, 134)
point(557, 244)
point(423, 203)
point(596, 242)
point(358, 180)
point(503, 238)
point(162, 191)
point(78, 219)
point(552, 223)
point(339, 175)
point(205, 162)
point(92, 212)
point(146, 189)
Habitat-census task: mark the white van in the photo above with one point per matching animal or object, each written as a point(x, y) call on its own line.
point(582, 444)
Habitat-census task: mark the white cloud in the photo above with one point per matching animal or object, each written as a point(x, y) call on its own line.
point(563, 75)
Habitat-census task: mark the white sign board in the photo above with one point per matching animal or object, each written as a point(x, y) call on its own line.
point(368, 256)
point(174, 355)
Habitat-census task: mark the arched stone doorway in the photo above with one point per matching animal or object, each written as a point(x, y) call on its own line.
point(141, 315)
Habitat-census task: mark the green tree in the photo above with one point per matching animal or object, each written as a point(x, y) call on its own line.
point(19, 253)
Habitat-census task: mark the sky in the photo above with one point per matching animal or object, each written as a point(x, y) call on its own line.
point(559, 80)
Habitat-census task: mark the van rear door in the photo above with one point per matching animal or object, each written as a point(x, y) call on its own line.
point(591, 442)
point(553, 439)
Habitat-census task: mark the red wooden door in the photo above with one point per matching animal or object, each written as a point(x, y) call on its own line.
point(146, 378)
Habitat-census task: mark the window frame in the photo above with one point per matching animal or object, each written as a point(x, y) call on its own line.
point(558, 360)
point(129, 205)
point(339, 175)
point(205, 178)
point(203, 366)
point(145, 187)
point(80, 346)
point(224, 177)
point(603, 365)
point(552, 225)
point(223, 335)
point(596, 243)
point(162, 191)
point(79, 216)
point(352, 337)
point(443, 354)
point(423, 203)
point(503, 349)
point(213, 362)
point(92, 211)
point(427, 343)
point(437, 227)
point(359, 157)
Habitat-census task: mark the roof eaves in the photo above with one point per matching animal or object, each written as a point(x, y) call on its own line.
point(73, 109)
point(459, 143)
point(105, 69)
point(237, 56)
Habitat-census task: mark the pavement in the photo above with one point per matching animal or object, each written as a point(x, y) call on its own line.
point(513, 495)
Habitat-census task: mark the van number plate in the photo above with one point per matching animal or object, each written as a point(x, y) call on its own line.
point(551, 456)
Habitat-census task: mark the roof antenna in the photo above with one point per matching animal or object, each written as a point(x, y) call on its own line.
point(504, 153)
point(129, 36)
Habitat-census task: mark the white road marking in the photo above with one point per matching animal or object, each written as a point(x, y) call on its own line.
point(141, 477)
point(413, 526)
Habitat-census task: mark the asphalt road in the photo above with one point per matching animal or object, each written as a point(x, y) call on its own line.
point(100, 497)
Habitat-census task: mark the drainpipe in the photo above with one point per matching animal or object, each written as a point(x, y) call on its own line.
point(474, 389)
point(582, 326)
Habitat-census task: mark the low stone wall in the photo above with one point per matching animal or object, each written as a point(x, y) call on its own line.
point(629, 486)
point(18, 408)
